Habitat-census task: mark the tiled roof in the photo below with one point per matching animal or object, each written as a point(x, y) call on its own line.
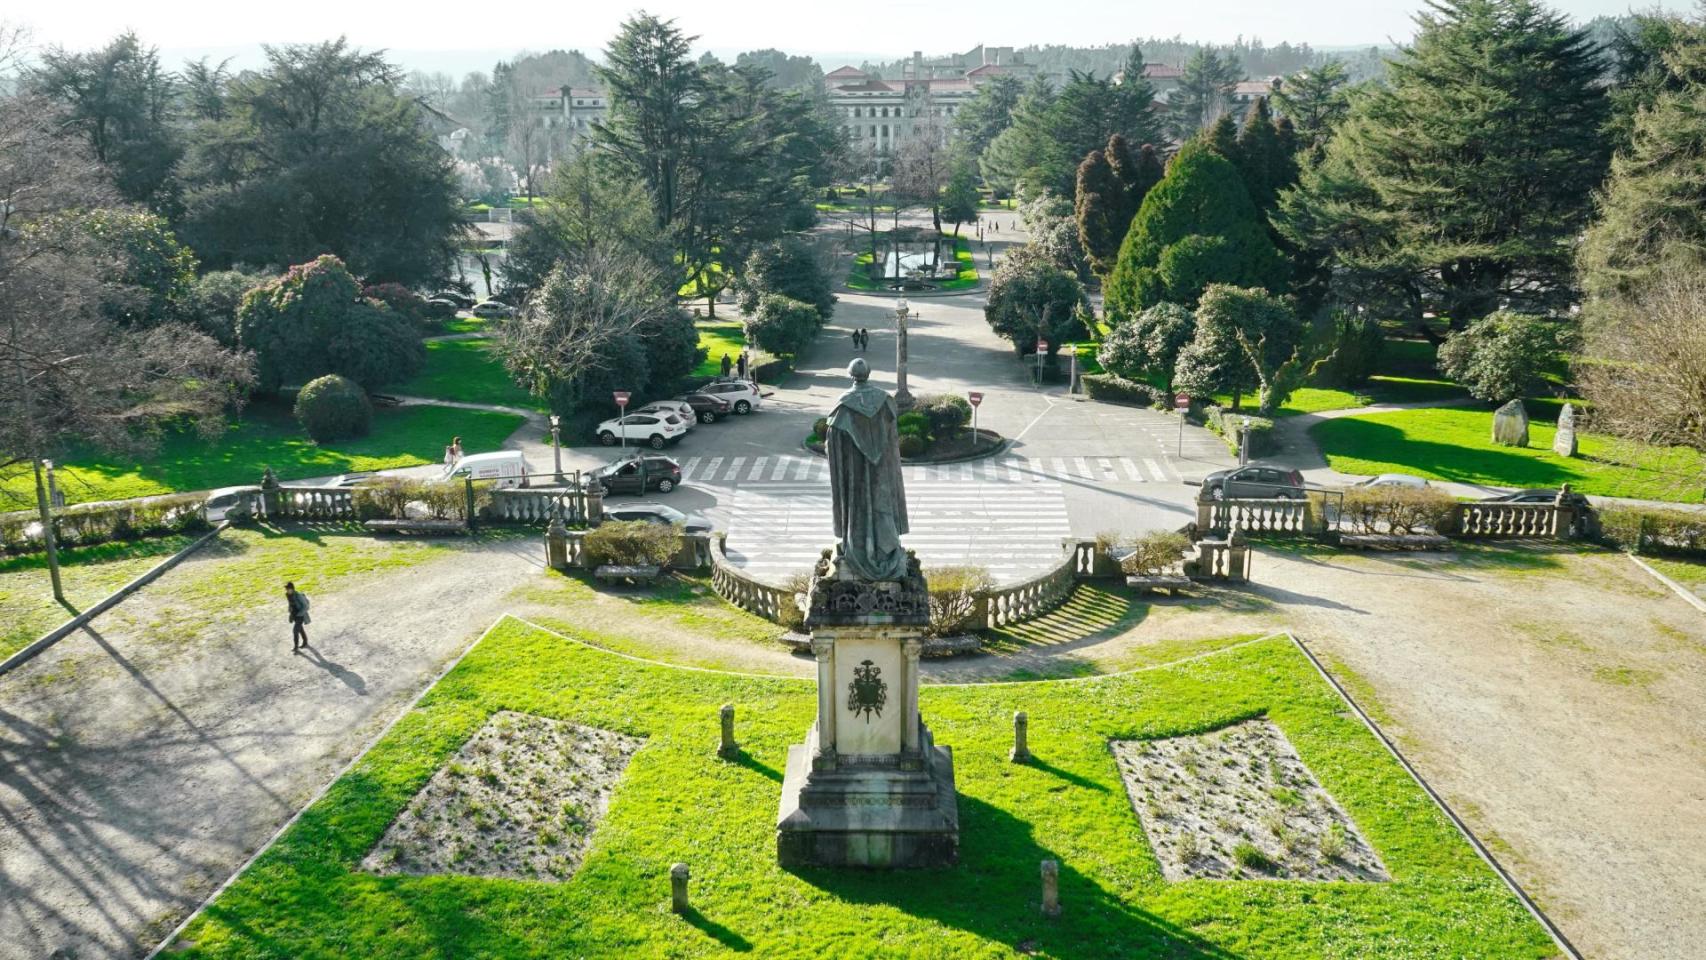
point(845, 73)
point(1162, 71)
point(1253, 88)
point(869, 86)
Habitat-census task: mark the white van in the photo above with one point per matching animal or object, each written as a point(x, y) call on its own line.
point(508, 467)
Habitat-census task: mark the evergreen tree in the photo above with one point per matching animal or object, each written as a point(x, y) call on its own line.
point(1134, 96)
point(1266, 165)
point(1204, 93)
point(1652, 214)
point(1462, 184)
point(1139, 174)
point(989, 111)
point(1101, 209)
point(1222, 136)
point(1313, 101)
point(1196, 227)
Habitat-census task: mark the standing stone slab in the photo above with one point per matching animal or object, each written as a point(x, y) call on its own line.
point(1564, 441)
point(1510, 425)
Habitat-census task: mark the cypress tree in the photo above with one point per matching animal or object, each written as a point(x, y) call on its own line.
point(1196, 227)
point(1265, 164)
point(1102, 210)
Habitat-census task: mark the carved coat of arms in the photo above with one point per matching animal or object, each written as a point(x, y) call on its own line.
point(868, 692)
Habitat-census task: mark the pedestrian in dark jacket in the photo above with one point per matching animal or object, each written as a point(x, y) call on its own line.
point(725, 364)
point(297, 602)
point(740, 365)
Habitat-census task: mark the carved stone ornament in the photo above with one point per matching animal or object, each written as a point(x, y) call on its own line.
point(868, 692)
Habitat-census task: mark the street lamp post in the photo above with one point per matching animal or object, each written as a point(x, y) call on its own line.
point(902, 396)
point(1244, 440)
point(557, 447)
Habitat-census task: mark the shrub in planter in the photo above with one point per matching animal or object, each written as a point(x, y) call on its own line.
point(632, 543)
point(1229, 423)
point(1110, 388)
point(333, 408)
point(946, 413)
point(914, 423)
point(912, 445)
point(953, 597)
point(1154, 553)
point(1399, 510)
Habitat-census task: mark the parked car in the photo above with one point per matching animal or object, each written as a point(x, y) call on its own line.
point(652, 428)
point(741, 394)
point(445, 303)
point(706, 407)
point(356, 479)
point(462, 300)
point(637, 474)
point(508, 468)
point(682, 411)
point(491, 308)
point(1392, 480)
point(222, 502)
point(1537, 496)
point(1256, 481)
point(649, 512)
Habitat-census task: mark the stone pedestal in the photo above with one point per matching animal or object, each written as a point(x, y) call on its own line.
point(868, 787)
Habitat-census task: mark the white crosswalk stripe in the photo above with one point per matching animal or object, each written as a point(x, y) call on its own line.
point(778, 529)
point(1008, 469)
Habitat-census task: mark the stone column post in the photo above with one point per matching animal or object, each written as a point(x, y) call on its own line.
point(269, 493)
point(1205, 515)
point(1051, 888)
point(728, 749)
point(557, 544)
point(911, 649)
point(1021, 740)
point(678, 875)
point(824, 650)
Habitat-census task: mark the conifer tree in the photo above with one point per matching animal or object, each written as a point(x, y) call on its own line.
point(1102, 211)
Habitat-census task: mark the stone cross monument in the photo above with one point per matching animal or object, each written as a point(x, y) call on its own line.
point(868, 787)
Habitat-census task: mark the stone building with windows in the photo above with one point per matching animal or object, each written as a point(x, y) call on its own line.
point(574, 108)
point(881, 116)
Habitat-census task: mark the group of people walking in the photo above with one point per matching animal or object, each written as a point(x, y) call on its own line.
point(861, 339)
point(740, 364)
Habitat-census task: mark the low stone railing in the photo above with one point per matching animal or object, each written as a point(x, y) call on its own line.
point(306, 503)
point(746, 591)
point(1227, 559)
point(1029, 599)
point(694, 554)
point(536, 506)
point(1528, 520)
point(1270, 517)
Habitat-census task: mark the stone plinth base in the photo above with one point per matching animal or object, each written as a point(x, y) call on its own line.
point(884, 812)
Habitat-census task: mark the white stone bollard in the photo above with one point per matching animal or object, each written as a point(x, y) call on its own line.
point(1021, 747)
point(728, 749)
point(1051, 888)
point(678, 888)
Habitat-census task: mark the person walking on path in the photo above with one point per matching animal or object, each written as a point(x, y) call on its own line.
point(740, 365)
point(453, 453)
point(864, 339)
point(297, 602)
point(725, 364)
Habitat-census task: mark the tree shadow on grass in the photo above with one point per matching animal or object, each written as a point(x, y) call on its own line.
point(995, 894)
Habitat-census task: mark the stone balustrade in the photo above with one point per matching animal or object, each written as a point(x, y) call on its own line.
point(1474, 520)
point(534, 507)
point(1297, 517)
point(745, 591)
point(1029, 599)
point(1528, 520)
point(307, 503)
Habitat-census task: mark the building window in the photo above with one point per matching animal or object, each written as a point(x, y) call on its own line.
point(885, 129)
point(885, 111)
point(873, 129)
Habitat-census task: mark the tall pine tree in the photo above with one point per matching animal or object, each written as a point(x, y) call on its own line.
point(1461, 185)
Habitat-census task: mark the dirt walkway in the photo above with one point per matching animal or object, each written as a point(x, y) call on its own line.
point(138, 769)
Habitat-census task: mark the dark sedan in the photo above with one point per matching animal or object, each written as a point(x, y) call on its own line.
point(637, 475)
point(1537, 496)
point(707, 408)
point(1257, 481)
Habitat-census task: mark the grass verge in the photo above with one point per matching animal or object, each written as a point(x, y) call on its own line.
point(679, 802)
point(466, 371)
point(1455, 444)
point(268, 435)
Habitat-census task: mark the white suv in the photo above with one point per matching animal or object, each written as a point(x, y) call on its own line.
point(656, 429)
point(741, 394)
point(682, 411)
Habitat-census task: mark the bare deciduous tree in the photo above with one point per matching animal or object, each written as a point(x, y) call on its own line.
point(69, 375)
point(1643, 373)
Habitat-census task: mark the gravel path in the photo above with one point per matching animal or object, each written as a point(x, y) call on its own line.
point(136, 775)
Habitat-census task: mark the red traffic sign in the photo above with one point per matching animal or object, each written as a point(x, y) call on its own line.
point(1182, 401)
point(1042, 345)
point(976, 398)
point(621, 397)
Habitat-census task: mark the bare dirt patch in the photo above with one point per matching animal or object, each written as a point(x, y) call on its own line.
point(1239, 803)
point(521, 799)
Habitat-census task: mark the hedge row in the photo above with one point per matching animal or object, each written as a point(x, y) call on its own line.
point(1654, 530)
point(389, 498)
point(1228, 423)
point(1112, 388)
point(1398, 510)
point(93, 523)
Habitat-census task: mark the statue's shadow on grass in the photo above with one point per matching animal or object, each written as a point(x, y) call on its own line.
point(995, 893)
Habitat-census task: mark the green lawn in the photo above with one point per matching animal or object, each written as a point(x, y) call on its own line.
point(466, 324)
point(1453, 443)
point(1691, 574)
point(717, 338)
point(306, 897)
point(468, 371)
point(268, 435)
point(89, 574)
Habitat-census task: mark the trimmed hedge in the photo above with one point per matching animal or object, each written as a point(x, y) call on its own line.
point(86, 525)
point(333, 408)
point(1112, 388)
point(953, 598)
point(389, 498)
point(1654, 530)
point(1399, 510)
point(1154, 553)
point(1228, 423)
point(632, 543)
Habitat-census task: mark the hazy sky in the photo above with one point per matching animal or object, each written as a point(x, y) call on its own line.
point(825, 30)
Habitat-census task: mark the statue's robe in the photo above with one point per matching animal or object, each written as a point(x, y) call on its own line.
point(865, 484)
